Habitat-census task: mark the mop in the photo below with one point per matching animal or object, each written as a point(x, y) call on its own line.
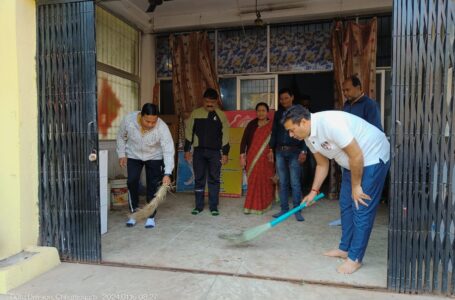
point(254, 232)
point(147, 210)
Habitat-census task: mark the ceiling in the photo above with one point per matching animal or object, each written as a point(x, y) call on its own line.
point(178, 15)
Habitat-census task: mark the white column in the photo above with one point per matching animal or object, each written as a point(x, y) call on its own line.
point(148, 74)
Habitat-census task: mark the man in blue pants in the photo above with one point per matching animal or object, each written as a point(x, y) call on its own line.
point(289, 154)
point(359, 104)
point(364, 152)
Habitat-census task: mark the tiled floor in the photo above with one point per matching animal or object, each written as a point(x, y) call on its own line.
point(291, 250)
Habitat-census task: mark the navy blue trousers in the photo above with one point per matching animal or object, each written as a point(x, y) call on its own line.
point(154, 175)
point(207, 168)
point(356, 224)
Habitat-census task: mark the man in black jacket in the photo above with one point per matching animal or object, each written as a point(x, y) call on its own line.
point(207, 130)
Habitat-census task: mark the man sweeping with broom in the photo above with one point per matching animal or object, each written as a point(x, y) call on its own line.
point(362, 150)
point(145, 140)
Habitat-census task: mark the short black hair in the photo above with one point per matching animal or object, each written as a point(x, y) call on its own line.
point(211, 94)
point(262, 104)
point(354, 80)
point(296, 113)
point(285, 90)
point(149, 109)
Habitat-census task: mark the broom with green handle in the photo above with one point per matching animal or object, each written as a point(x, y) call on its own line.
point(254, 232)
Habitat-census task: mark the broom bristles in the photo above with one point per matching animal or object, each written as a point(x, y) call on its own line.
point(246, 235)
point(147, 210)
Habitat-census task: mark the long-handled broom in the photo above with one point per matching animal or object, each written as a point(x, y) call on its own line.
point(254, 232)
point(148, 209)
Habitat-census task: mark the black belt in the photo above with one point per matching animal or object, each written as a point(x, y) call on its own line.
point(287, 148)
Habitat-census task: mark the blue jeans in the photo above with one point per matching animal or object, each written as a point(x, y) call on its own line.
point(356, 224)
point(288, 168)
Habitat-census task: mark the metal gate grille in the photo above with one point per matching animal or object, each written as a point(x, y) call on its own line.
point(422, 216)
point(69, 199)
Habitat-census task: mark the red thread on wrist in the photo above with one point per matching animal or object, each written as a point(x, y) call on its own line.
point(315, 190)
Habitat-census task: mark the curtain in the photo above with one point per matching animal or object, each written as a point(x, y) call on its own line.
point(354, 52)
point(193, 70)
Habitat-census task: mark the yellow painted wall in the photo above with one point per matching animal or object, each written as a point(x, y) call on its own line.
point(18, 127)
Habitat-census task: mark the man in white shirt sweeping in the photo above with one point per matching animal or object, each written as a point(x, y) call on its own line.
point(145, 140)
point(362, 150)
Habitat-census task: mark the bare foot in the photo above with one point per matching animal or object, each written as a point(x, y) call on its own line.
point(336, 253)
point(349, 267)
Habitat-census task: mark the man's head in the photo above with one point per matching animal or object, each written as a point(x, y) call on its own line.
point(286, 97)
point(149, 116)
point(297, 121)
point(352, 88)
point(210, 99)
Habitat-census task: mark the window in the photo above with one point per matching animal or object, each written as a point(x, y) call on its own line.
point(300, 47)
point(242, 51)
point(117, 46)
point(384, 98)
point(254, 89)
point(114, 95)
point(228, 90)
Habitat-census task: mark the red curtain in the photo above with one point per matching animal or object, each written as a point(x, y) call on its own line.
point(354, 52)
point(193, 70)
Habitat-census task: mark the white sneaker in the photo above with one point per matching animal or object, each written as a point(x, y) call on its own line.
point(150, 223)
point(131, 222)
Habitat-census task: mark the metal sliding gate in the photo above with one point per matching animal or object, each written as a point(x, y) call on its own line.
point(422, 206)
point(68, 191)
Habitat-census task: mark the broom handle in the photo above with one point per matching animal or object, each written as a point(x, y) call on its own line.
point(294, 210)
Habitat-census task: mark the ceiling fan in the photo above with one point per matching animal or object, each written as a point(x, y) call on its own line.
point(153, 4)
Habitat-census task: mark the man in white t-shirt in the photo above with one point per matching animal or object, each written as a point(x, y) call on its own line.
point(362, 150)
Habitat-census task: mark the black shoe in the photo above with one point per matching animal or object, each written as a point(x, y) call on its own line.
point(279, 214)
point(215, 212)
point(299, 217)
point(196, 211)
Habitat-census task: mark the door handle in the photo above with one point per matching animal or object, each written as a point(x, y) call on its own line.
point(93, 156)
point(399, 134)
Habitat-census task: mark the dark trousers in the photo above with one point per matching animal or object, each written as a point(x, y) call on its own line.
point(308, 169)
point(207, 162)
point(154, 175)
